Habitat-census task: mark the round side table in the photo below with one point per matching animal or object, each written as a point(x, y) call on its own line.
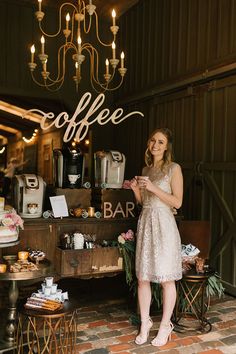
point(42, 331)
point(192, 300)
point(44, 268)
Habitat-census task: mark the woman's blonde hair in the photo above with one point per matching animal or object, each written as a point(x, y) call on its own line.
point(167, 157)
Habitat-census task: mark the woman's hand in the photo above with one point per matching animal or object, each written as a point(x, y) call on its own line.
point(144, 182)
point(134, 184)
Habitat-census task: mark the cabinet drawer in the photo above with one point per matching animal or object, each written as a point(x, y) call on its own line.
point(88, 261)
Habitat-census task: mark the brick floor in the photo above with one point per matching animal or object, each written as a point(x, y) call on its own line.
point(104, 327)
point(117, 337)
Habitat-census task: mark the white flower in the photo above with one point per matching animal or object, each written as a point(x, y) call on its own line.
point(7, 222)
point(121, 240)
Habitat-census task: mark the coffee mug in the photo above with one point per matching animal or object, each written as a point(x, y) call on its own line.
point(32, 208)
point(76, 212)
point(49, 281)
point(73, 178)
point(141, 180)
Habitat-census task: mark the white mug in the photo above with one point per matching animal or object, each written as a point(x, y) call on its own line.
point(53, 288)
point(32, 208)
point(49, 281)
point(73, 178)
point(47, 290)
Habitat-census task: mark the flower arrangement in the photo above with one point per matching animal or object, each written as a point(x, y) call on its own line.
point(126, 244)
point(12, 220)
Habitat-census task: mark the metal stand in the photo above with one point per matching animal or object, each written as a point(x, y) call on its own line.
point(191, 301)
point(47, 331)
point(11, 318)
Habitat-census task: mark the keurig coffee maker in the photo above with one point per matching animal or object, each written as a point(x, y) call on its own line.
point(109, 169)
point(28, 195)
point(68, 167)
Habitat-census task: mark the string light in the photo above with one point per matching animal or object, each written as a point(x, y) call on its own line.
point(27, 141)
point(2, 150)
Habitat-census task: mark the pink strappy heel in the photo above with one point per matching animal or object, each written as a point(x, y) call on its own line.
point(164, 334)
point(142, 338)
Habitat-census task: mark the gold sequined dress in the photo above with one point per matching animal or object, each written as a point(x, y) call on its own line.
point(158, 249)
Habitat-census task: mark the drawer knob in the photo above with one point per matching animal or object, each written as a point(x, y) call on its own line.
point(74, 263)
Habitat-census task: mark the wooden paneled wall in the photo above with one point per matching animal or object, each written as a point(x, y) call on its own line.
point(169, 40)
point(180, 56)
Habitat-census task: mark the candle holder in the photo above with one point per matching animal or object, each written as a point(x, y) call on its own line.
point(114, 62)
point(39, 15)
point(43, 57)
point(114, 29)
point(32, 66)
point(45, 74)
point(122, 71)
point(67, 32)
point(107, 77)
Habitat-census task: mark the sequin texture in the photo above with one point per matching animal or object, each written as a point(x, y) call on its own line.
point(158, 249)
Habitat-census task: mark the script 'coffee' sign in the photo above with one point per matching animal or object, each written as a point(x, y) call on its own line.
point(79, 128)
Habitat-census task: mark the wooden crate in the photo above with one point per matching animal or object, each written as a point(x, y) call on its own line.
point(88, 262)
point(75, 197)
point(114, 203)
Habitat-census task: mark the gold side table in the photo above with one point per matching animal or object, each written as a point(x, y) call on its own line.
point(47, 332)
point(192, 300)
point(44, 268)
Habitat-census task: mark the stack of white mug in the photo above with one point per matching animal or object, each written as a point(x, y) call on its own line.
point(49, 290)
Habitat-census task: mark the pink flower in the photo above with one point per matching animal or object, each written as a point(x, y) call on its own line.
point(129, 236)
point(12, 220)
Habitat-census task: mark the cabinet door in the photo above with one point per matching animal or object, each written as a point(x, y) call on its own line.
point(38, 236)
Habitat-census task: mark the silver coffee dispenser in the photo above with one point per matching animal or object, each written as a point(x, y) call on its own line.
point(68, 167)
point(28, 195)
point(109, 169)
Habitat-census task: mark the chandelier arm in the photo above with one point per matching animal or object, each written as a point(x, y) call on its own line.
point(60, 77)
point(60, 11)
point(105, 87)
point(73, 25)
point(90, 23)
point(97, 33)
point(94, 75)
point(44, 84)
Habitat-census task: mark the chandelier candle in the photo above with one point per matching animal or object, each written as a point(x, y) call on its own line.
point(42, 44)
point(122, 56)
point(113, 50)
point(32, 49)
point(107, 66)
point(113, 17)
point(67, 20)
point(40, 3)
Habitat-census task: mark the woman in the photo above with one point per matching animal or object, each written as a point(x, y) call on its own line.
point(9, 173)
point(158, 251)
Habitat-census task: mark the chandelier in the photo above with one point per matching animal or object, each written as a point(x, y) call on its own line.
point(75, 23)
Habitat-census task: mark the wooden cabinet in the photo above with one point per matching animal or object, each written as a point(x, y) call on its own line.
point(37, 234)
point(88, 262)
point(45, 234)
